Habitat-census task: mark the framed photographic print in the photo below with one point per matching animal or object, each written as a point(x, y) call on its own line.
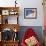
point(5, 12)
point(30, 13)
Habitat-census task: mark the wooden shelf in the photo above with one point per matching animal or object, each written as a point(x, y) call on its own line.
point(9, 43)
point(4, 13)
point(10, 26)
point(9, 7)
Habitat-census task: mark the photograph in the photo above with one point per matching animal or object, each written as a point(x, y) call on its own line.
point(30, 13)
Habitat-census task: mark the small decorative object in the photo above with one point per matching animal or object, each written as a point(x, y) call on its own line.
point(6, 21)
point(0, 19)
point(0, 12)
point(5, 12)
point(15, 30)
point(15, 36)
point(30, 13)
point(13, 12)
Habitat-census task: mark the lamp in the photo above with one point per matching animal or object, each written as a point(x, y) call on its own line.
point(15, 3)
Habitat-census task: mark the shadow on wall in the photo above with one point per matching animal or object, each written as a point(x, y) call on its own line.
point(37, 29)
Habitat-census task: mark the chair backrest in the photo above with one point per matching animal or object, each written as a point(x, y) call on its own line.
point(29, 32)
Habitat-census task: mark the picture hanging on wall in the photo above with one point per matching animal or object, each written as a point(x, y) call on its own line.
point(30, 13)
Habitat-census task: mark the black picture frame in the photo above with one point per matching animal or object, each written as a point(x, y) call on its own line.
point(30, 13)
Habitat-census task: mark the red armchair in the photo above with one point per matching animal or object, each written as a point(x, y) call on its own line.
point(30, 34)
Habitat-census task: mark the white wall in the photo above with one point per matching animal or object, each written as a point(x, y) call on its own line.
point(31, 4)
point(27, 4)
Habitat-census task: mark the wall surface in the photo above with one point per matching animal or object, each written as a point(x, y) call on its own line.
point(26, 4)
point(31, 4)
